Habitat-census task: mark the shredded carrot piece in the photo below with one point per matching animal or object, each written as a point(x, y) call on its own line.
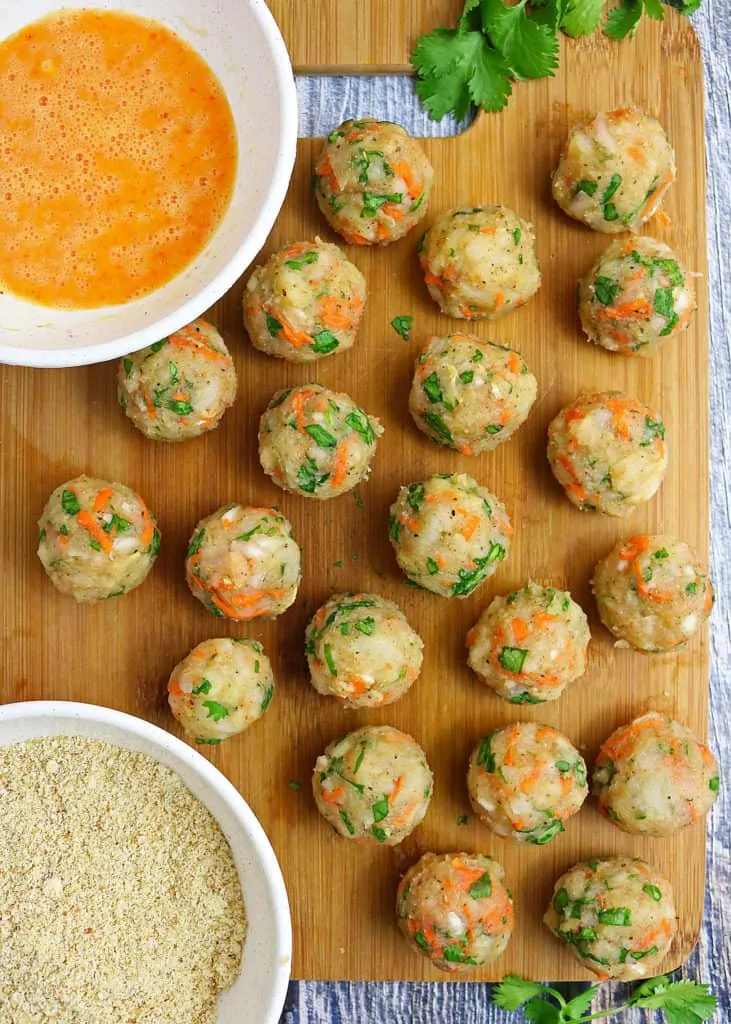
point(435, 280)
point(102, 499)
point(334, 795)
point(336, 313)
point(396, 789)
point(340, 469)
point(298, 407)
point(325, 170)
point(514, 362)
point(89, 523)
point(637, 155)
point(520, 629)
point(499, 302)
point(637, 309)
point(149, 530)
point(575, 487)
point(381, 230)
point(659, 189)
point(354, 239)
point(467, 313)
point(414, 188)
point(392, 210)
point(149, 404)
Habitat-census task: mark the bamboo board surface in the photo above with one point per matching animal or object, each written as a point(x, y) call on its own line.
point(342, 36)
point(55, 424)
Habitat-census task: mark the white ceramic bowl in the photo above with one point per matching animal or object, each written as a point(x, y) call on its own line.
point(242, 44)
point(258, 995)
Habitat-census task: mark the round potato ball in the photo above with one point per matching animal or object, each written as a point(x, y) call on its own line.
point(617, 916)
point(529, 645)
point(455, 909)
point(480, 263)
point(653, 592)
point(525, 781)
point(179, 387)
point(372, 181)
point(243, 563)
point(614, 170)
point(304, 303)
point(315, 442)
point(361, 650)
point(608, 452)
point(449, 533)
point(635, 297)
point(96, 539)
point(470, 395)
point(373, 785)
point(653, 777)
point(220, 688)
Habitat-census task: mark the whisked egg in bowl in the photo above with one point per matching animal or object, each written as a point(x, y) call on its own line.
point(147, 152)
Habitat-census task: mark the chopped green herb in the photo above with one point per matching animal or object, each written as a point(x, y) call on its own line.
point(127, 363)
point(181, 407)
point(324, 342)
point(215, 710)
point(347, 822)
point(662, 553)
point(372, 203)
point(620, 916)
point(278, 399)
point(438, 425)
point(512, 659)
point(524, 698)
point(462, 819)
point(333, 137)
point(432, 388)
point(203, 687)
point(587, 187)
point(359, 422)
point(560, 900)
point(379, 833)
point(691, 588)
point(321, 436)
point(294, 785)
point(210, 743)
point(482, 887)
point(380, 809)
point(70, 503)
point(563, 766)
point(478, 356)
point(327, 651)
point(394, 528)
point(485, 755)
point(420, 940)
point(95, 545)
point(467, 376)
point(642, 953)
point(606, 290)
point(158, 345)
point(654, 430)
point(195, 543)
point(653, 891)
point(456, 954)
point(366, 626)
point(715, 784)
point(302, 261)
point(402, 326)
point(517, 235)
point(309, 477)
point(493, 428)
point(432, 566)
point(555, 827)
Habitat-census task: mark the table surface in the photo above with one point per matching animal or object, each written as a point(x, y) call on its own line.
point(325, 102)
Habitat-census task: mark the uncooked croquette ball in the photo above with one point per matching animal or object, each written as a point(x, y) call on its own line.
point(653, 592)
point(617, 916)
point(372, 181)
point(449, 533)
point(653, 777)
point(305, 302)
point(469, 394)
point(614, 170)
point(361, 649)
point(373, 785)
point(635, 297)
point(315, 442)
point(220, 688)
point(530, 645)
point(480, 263)
point(525, 781)
point(96, 539)
point(179, 387)
point(608, 452)
point(455, 909)
point(243, 563)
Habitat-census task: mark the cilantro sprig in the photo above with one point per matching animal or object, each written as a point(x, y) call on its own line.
point(682, 1002)
point(496, 43)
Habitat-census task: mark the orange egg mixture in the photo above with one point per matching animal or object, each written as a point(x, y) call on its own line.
point(118, 156)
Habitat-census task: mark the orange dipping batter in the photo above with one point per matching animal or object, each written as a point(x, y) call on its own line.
point(118, 156)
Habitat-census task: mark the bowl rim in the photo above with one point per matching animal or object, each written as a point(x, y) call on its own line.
point(156, 736)
point(198, 303)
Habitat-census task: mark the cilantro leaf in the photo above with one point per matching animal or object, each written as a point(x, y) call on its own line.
point(540, 1012)
point(653, 9)
point(513, 991)
point(623, 20)
point(402, 325)
point(550, 12)
point(530, 49)
point(683, 1002)
point(457, 67)
point(581, 1004)
point(582, 17)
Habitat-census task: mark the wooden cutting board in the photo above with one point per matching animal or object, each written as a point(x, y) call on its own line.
point(57, 423)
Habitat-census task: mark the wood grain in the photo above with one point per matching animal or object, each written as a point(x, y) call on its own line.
point(58, 423)
point(345, 35)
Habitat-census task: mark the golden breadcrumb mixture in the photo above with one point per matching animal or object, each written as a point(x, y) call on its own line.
point(119, 899)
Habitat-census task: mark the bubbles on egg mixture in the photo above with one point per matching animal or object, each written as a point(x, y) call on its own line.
point(116, 168)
